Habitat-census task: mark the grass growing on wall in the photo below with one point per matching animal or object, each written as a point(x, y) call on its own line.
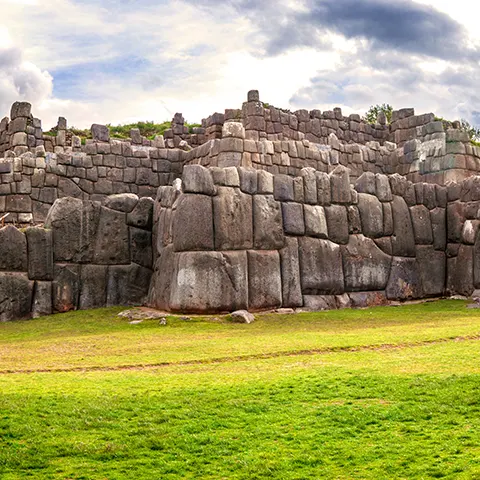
point(377, 393)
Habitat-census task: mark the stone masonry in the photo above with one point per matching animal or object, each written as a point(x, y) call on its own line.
point(258, 209)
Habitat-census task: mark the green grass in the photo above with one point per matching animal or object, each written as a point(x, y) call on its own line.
point(380, 393)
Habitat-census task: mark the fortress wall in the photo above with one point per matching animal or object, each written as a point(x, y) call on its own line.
point(86, 256)
point(240, 238)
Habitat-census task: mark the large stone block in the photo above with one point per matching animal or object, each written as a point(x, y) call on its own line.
point(42, 299)
point(193, 223)
point(162, 279)
point(315, 221)
point(293, 222)
point(16, 292)
point(40, 253)
point(309, 185)
point(283, 188)
point(197, 179)
point(65, 287)
point(405, 282)
point(463, 275)
point(127, 284)
point(112, 245)
point(432, 265)
point(422, 226)
point(340, 185)
point(264, 280)
point(267, 223)
point(365, 266)
point(455, 219)
point(142, 214)
point(438, 218)
point(371, 214)
point(141, 247)
point(233, 219)
point(123, 202)
point(13, 248)
point(74, 225)
point(291, 283)
point(93, 286)
point(403, 240)
point(320, 266)
point(209, 282)
point(323, 188)
point(337, 221)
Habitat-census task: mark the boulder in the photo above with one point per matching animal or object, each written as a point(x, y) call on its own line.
point(365, 266)
point(233, 219)
point(123, 202)
point(242, 316)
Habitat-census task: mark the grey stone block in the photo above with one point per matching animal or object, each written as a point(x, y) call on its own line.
point(13, 248)
point(264, 280)
point(40, 253)
point(16, 292)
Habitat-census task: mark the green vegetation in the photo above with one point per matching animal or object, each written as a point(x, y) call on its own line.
point(373, 112)
point(148, 129)
point(378, 393)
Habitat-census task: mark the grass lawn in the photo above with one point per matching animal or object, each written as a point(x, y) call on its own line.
point(382, 393)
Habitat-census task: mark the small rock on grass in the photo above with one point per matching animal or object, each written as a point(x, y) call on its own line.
point(242, 316)
point(135, 314)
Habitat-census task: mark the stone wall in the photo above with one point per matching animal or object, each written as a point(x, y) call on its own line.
point(240, 238)
point(86, 256)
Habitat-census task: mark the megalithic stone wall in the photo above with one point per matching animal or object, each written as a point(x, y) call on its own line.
point(88, 255)
point(241, 238)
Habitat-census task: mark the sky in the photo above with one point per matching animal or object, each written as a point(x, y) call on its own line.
point(120, 61)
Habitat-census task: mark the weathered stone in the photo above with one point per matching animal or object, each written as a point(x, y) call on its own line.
point(337, 221)
point(291, 289)
point(20, 109)
point(318, 303)
point(248, 180)
point(366, 183)
point(233, 219)
point(193, 223)
point(382, 188)
point(367, 299)
point(127, 284)
point(264, 182)
point(100, 133)
point(123, 202)
point(293, 222)
point(371, 214)
point(315, 221)
point(65, 287)
point(16, 292)
point(463, 274)
point(197, 179)
point(40, 253)
point(404, 282)
point(283, 188)
point(42, 299)
point(93, 286)
point(455, 219)
point(309, 185)
point(422, 227)
point(439, 228)
point(242, 316)
point(365, 266)
point(432, 266)
point(163, 278)
point(264, 280)
point(267, 223)
point(233, 129)
point(13, 248)
point(209, 282)
point(142, 215)
point(340, 185)
point(320, 266)
point(403, 241)
point(470, 231)
point(112, 239)
point(141, 247)
point(323, 188)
